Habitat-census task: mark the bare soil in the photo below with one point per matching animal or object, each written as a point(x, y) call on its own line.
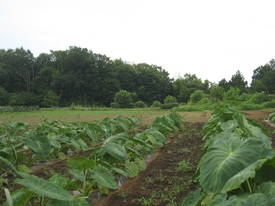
point(163, 182)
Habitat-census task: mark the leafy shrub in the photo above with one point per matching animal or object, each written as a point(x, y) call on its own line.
point(247, 106)
point(270, 104)
point(169, 106)
point(232, 94)
point(188, 108)
point(258, 98)
point(139, 104)
point(196, 96)
point(4, 96)
point(50, 99)
point(217, 92)
point(114, 105)
point(205, 100)
point(24, 99)
point(170, 99)
point(124, 99)
point(156, 104)
point(18, 109)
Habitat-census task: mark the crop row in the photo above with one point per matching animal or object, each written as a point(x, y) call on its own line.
point(238, 163)
point(96, 158)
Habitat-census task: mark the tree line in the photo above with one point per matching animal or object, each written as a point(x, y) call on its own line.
point(80, 76)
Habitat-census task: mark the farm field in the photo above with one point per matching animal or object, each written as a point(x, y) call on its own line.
point(168, 178)
point(146, 115)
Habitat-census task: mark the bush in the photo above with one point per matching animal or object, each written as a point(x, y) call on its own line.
point(156, 104)
point(205, 100)
point(270, 104)
point(4, 96)
point(18, 109)
point(169, 106)
point(196, 96)
point(51, 99)
point(232, 94)
point(259, 98)
point(139, 104)
point(188, 108)
point(24, 99)
point(246, 106)
point(124, 99)
point(217, 92)
point(115, 105)
point(170, 100)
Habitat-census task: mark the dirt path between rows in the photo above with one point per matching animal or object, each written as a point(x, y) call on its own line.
point(164, 182)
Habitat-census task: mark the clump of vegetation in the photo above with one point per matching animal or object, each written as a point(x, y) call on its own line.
point(124, 99)
point(183, 166)
point(140, 104)
point(196, 96)
point(156, 104)
point(236, 160)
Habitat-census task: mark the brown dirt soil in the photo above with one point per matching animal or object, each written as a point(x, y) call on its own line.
point(257, 114)
point(161, 183)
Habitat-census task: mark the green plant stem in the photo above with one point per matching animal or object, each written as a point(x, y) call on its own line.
point(249, 186)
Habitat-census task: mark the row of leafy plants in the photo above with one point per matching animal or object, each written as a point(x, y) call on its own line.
point(238, 163)
point(97, 157)
point(271, 117)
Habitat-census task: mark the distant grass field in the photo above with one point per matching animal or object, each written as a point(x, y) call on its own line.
point(147, 115)
point(65, 114)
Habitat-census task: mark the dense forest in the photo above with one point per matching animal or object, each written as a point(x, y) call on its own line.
point(79, 76)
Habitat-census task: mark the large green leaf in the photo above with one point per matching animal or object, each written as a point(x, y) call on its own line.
point(104, 177)
point(267, 188)
point(81, 163)
point(43, 187)
point(242, 176)
point(115, 150)
point(20, 197)
point(193, 198)
point(225, 158)
point(39, 144)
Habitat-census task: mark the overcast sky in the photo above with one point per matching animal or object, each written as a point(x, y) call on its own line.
point(210, 38)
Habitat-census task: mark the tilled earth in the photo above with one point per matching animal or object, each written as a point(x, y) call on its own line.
point(167, 179)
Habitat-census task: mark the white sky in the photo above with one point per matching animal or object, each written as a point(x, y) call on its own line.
point(210, 38)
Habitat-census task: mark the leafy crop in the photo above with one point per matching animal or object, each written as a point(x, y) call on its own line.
point(96, 156)
point(238, 164)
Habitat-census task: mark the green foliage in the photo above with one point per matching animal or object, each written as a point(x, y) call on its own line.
point(170, 100)
point(51, 99)
point(4, 96)
point(270, 104)
point(232, 94)
point(184, 87)
point(169, 105)
point(24, 99)
point(156, 104)
point(237, 166)
point(124, 99)
point(217, 92)
point(196, 96)
point(258, 98)
point(139, 104)
point(18, 109)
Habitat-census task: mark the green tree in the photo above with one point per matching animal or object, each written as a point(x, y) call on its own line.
point(263, 79)
point(170, 100)
point(4, 97)
point(184, 87)
point(124, 99)
point(232, 94)
point(196, 96)
point(238, 81)
point(51, 99)
point(217, 92)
